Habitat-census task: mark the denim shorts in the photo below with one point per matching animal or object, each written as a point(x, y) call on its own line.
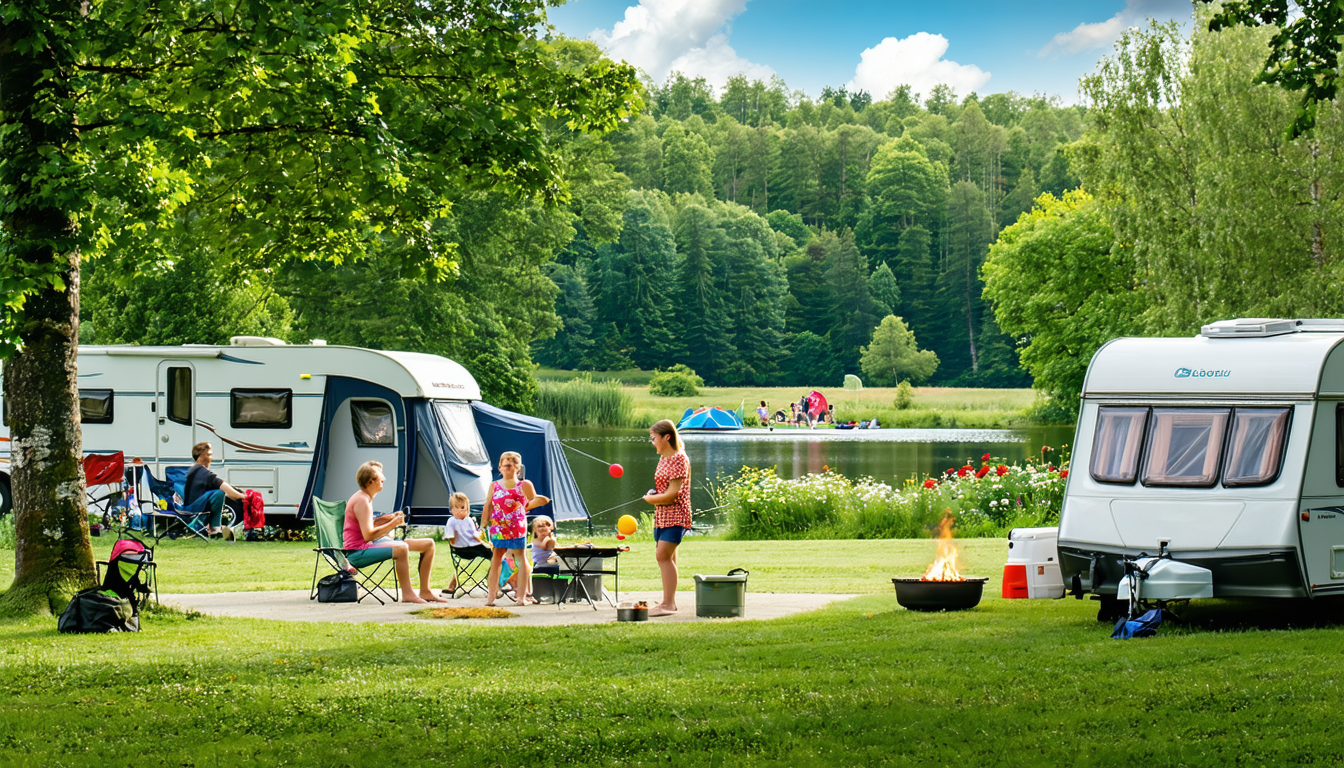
point(671, 534)
point(518, 543)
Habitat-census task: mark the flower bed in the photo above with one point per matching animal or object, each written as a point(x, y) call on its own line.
point(986, 500)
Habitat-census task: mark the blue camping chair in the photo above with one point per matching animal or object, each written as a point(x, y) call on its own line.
point(165, 505)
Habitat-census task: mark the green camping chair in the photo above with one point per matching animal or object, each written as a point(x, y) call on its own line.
point(329, 519)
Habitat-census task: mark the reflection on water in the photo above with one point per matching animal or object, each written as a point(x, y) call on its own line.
point(889, 455)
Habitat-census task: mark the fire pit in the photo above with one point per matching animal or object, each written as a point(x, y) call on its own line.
point(941, 588)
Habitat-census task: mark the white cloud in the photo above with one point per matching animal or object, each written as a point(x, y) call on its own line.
point(1102, 34)
point(916, 61)
point(688, 36)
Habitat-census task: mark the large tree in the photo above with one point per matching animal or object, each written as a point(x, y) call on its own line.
point(263, 130)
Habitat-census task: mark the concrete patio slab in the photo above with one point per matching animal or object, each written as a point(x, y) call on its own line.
point(294, 605)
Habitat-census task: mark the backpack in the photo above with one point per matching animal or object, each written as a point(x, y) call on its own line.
point(254, 510)
point(125, 568)
point(98, 610)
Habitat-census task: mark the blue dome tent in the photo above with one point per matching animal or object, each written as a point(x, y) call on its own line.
point(712, 417)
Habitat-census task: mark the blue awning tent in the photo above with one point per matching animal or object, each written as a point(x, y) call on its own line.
point(543, 457)
point(712, 417)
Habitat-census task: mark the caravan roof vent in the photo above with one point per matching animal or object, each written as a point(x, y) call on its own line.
point(255, 341)
point(1249, 327)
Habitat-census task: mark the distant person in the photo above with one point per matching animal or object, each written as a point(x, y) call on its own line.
point(793, 413)
point(462, 534)
point(505, 517)
point(763, 413)
point(205, 491)
point(671, 498)
point(544, 559)
point(368, 540)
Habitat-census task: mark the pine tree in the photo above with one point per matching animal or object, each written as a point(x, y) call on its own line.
point(700, 314)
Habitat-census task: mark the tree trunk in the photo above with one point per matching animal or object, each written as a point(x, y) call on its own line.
point(53, 558)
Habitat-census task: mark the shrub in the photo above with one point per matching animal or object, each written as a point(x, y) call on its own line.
point(987, 501)
point(677, 381)
point(584, 402)
point(905, 396)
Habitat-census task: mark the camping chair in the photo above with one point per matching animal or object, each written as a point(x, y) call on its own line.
point(165, 505)
point(108, 470)
point(129, 559)
point(468, 574)
point(329, 521)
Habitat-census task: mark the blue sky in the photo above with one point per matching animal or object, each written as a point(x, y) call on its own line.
point(988, 47)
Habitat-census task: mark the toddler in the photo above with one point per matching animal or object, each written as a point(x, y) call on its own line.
point(462, 533)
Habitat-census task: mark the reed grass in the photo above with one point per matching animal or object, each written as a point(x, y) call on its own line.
point(584, 402)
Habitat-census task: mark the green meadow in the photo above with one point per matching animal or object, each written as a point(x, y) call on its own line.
point(863, 682)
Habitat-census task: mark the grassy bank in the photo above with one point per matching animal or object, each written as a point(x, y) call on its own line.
point(946, 407)
point(863, 682)
point(584, 402)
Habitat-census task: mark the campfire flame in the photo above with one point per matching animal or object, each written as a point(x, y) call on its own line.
point(944, 566)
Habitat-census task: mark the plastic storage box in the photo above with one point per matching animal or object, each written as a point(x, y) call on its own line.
point(721, 597)
point(1032, 570)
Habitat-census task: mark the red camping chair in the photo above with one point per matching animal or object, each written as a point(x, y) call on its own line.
point(108, 471)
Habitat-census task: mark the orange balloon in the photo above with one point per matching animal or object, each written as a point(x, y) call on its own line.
point(627, 525)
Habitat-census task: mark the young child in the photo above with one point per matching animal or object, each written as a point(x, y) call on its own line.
point(461, 531)
point(505, 516)
point(544, 559)
point(763, 413)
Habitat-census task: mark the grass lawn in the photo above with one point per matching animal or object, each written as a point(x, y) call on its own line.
point(863, 682)
point(955, 406)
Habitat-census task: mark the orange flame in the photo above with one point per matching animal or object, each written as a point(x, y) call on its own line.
point(944, 566)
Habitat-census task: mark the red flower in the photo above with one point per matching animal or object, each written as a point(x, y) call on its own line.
point(1044, 448)
point(966, 470)
point(1063, 473)
point(985, 457)
point(1001, 471)
point(981, 472)
point(930, 483)
point(949, 471)
point(1050, 468)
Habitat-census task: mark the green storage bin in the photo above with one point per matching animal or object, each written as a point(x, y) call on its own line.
point(721, 597)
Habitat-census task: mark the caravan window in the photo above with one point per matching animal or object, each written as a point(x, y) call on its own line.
point(1184, 445)
point(179, 395)
point(1115, 450)
point(1255, 450)
point(260, 408)
point(95, 406)
point(459, 428)
point(374, 423)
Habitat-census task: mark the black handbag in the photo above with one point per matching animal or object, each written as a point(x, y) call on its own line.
point(338, 588)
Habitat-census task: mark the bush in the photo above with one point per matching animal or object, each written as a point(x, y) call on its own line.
point(905, 396)
point(677, 381)
point(584, 402)
point(985, 502)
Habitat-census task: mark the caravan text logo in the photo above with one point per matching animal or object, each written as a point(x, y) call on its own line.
point(1186, 373)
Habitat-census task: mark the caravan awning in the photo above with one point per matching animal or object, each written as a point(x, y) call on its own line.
point(543, 457)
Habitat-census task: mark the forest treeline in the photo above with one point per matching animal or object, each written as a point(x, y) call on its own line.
point(757, 236)
point(760, 236)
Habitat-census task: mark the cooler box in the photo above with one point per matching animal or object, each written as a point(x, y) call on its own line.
point(1032, 570)
point(720, 597)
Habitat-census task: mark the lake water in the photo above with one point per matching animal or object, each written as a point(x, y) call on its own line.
point(888, 455)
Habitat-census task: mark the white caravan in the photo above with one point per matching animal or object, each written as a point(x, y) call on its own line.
point(1226, 450)
point(294, 421)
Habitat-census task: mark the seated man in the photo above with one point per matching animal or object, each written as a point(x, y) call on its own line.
point(204, 490)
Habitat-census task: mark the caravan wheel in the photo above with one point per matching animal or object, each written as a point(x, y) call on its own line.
point(6, 497)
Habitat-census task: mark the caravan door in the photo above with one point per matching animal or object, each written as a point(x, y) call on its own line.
point(175, 409)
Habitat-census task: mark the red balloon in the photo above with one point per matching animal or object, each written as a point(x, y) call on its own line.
point(619, 537)
point(616, 470)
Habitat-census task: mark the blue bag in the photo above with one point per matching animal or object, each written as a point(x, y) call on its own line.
point(1144, 626)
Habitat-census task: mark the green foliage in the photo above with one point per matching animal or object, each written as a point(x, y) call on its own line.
point(986, 500)
point(884, 289)
point(677, 381)
point(1058, 280)
point(1303, 54)
point(894, 356)
point(905, 396)
point(584, 402)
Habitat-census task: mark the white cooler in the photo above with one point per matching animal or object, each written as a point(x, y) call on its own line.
point(1032, 570)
